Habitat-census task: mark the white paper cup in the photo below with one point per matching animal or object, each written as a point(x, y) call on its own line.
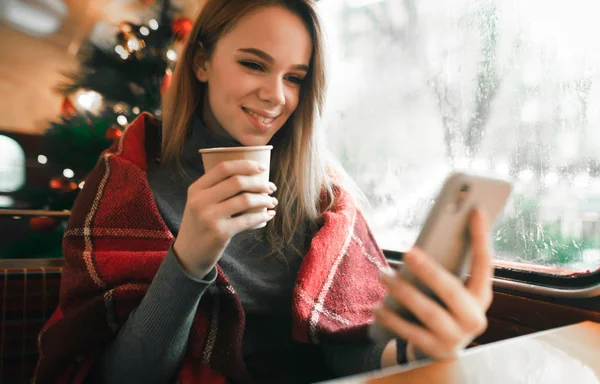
point(211, 157)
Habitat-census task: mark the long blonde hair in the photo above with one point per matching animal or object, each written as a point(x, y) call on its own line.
point(305, 186)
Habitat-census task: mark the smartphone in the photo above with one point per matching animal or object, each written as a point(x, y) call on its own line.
point(445, 233)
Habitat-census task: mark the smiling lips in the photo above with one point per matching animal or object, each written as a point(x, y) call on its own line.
point(266, 120)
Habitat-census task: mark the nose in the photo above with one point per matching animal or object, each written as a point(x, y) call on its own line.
point(272, 91)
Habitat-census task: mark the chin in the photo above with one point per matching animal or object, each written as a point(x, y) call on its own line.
point(254, 141)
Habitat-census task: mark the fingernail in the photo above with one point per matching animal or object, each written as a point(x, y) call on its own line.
point(261, 167)
point(389, 271)
point(412, 256)
point(385, 275)
point(272, 187)
point(275, 201)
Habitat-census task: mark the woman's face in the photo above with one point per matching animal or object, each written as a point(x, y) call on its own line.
point(254, 75)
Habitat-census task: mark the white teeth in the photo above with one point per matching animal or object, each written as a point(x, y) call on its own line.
point(263, 120)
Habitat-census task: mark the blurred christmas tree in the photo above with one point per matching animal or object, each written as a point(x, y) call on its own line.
point(112, 86)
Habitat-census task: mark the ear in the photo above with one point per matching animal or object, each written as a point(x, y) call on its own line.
point(200, 61)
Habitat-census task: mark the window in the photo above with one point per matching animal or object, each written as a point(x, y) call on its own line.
point(12, 165)
point(418, 88)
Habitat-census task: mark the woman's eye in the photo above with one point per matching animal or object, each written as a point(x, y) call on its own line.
point(295, 80)
point(252, 65)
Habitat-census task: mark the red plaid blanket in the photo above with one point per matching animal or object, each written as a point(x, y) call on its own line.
point(116, 240)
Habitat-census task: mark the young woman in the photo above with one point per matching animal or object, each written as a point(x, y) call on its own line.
point(163, 283)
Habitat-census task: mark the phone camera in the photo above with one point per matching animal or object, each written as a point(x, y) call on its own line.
point(460, 198)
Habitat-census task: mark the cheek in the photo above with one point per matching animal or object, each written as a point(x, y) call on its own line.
point(230, 84)
point(224, 96)
point(292, 100)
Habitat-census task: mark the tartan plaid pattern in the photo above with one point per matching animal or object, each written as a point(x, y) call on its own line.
point(28, 296)
point(116, 240)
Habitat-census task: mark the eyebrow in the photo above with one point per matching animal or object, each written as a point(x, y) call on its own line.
point(265, 56)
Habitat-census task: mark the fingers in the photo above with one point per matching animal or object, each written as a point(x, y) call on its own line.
point(446, 286)
point(218, 218)
point(244, 202)
point(480, 281)
point(236, 184)
point(407, 330)
point(443, 331)
point(225, 170)
point(250, 220)
point(433, 316)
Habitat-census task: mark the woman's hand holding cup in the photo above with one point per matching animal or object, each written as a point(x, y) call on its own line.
point(209, 219)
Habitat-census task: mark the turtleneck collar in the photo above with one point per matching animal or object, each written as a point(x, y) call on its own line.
point(199, 137)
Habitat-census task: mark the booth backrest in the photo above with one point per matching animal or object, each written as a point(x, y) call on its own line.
point(29, 292)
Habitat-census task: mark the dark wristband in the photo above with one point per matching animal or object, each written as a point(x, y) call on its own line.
point(401, 357)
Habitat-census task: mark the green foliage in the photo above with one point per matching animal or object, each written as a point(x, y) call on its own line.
point(134, 81)
point(525, 237)
point(127, 86)
point(76, 143)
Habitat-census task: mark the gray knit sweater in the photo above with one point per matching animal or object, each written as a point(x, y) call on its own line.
point(150, 346)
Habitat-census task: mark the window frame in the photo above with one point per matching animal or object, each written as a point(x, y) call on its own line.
point(574, 286)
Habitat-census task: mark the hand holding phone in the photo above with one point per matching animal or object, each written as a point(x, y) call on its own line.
point(445, 234)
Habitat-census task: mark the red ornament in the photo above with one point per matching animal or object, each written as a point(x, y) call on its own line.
point(55, 183)
point(166, 82)
point(113, 133)
point(182, 28)
point(62, 184)
point(43, 225)
point(67, 110)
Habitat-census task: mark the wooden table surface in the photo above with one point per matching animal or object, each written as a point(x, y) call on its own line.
point(563, 355)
